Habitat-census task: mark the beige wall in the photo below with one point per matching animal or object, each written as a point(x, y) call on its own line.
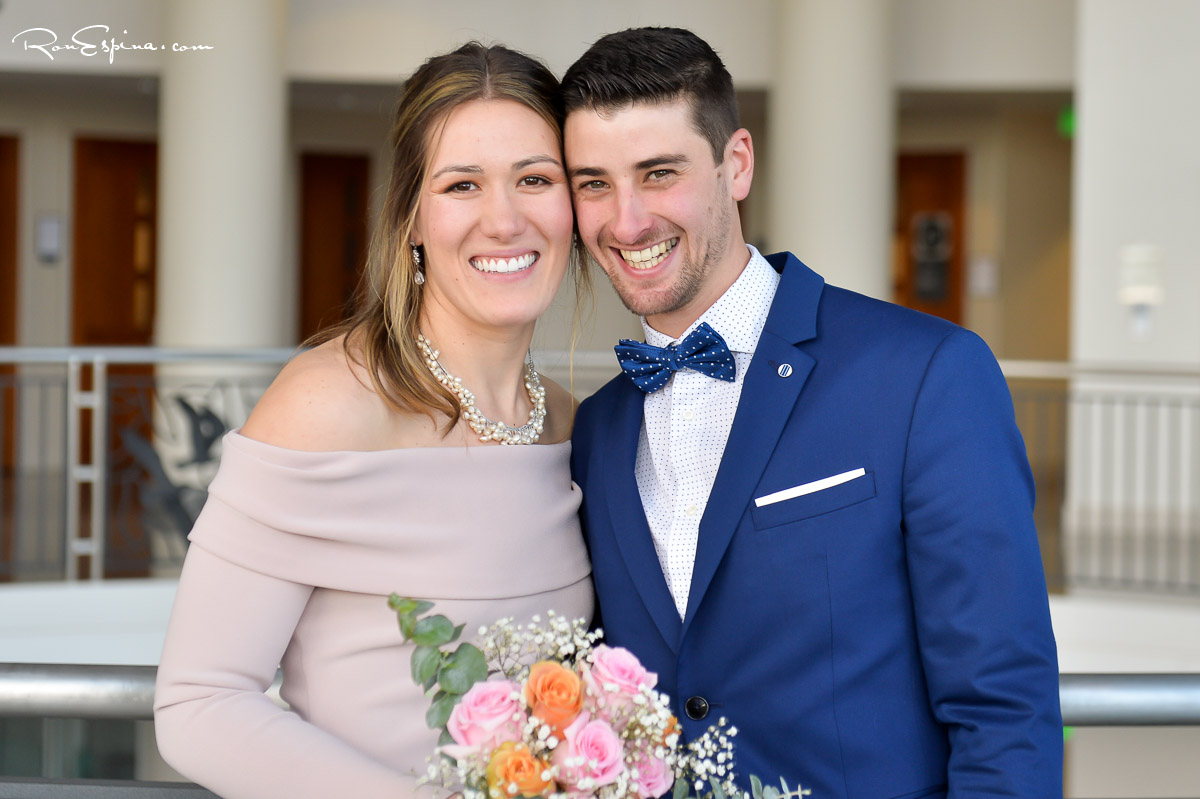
point(1035, 277)
point(1137, 177)
point(975, 132)
point(47, 119)
point(938, 43)
point(984, 45)
point(1017, 209)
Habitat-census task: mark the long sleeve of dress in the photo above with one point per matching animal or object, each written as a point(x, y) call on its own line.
point(228, 631)
point(290, 566)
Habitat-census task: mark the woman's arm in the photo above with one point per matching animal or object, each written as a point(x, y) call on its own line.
point(228, 630)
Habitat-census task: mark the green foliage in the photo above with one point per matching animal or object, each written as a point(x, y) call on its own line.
point(439, 711)
point(433, 631)
point(452, 671)
point(426, 660)
point(759, 791)
point(461, 669)
point(683, 790)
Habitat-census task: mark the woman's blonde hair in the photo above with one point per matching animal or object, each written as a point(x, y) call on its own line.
point(385, 324)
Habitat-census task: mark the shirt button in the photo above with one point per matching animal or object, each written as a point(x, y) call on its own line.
point(689, 414)
point(691, 511)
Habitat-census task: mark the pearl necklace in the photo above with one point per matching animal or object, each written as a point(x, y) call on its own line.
point(485, 428)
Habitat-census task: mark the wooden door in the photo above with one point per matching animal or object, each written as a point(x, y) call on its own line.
point(113, 276)
point(114, 258)
point(928, 236)
point(9, 154)
point(333, 236)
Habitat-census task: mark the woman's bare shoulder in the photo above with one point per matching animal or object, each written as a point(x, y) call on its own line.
point(560, 412)
point(321, 401)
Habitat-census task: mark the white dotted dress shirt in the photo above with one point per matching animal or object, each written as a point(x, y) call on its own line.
point(686, 423)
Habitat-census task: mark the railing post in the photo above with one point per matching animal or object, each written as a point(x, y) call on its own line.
point(71, 545)
point(99, 470)
point(79, 473)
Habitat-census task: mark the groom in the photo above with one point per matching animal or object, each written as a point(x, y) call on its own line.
point(810, 512)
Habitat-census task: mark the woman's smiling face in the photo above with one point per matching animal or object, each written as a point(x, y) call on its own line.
point(494, 216)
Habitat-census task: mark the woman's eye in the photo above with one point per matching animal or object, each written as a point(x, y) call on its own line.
point(534, 180)
point(464, 186)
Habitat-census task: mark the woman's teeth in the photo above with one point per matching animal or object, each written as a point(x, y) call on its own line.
point(651, 256)
point(504, 264)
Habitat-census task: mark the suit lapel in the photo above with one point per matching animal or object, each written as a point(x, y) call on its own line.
point(766, 403)
point(630, 527)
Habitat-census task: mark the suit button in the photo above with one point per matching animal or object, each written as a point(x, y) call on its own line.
point(696, 708)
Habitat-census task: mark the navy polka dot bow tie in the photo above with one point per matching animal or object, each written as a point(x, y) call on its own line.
point(702, 350)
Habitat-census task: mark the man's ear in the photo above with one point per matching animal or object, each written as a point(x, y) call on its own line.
point(739, 163)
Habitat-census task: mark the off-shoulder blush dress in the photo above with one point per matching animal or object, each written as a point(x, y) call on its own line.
point(291, 563)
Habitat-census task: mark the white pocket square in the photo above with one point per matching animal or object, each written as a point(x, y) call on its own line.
point(809, 488)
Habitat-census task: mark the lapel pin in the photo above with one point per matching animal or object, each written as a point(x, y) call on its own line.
point(785, 370)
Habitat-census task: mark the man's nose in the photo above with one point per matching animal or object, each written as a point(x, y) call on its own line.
point(632, 219)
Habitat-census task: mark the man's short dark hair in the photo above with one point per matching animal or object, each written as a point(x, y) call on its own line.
point(654, 66)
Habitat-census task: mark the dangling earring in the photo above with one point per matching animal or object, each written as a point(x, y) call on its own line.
point(419, 277)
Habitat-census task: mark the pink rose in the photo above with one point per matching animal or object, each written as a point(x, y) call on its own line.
point(590, 756)
point(653, 777)
point(487, 716)
point(615, 677)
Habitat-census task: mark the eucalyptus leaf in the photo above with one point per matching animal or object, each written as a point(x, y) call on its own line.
point(457, 632)
point(425, 663)
point(408, 625)
point(470, 658)
point(439, 711)
point(770, 792)
point(681, 789)
point(445, 738)
point(421, 606)
point(718, 791)
point(755, 786)
point(401, 604)
point(462, 669)
point(783, 784)
point(433, 631)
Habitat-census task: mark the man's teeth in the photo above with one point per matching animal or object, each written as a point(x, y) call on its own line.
point(649, 257)
point(504, 264)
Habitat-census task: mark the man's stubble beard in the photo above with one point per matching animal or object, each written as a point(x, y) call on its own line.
point(690, 278)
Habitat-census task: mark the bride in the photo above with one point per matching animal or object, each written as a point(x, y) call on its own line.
point(374, 464)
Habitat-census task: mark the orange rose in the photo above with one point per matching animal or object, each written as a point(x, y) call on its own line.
point(514, 770)
point(672, 729)
point(554, 694)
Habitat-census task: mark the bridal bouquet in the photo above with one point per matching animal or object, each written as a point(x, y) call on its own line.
point(545, 709)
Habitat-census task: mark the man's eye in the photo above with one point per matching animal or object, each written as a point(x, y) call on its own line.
point(661, 174)
point(592, 185)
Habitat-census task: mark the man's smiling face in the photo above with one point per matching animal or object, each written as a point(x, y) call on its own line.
point(655, 210)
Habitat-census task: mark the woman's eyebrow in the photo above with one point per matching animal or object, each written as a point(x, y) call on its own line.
point(468, 168)
point(537, 159)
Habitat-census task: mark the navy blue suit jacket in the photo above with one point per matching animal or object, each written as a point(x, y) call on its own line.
point(886, 637)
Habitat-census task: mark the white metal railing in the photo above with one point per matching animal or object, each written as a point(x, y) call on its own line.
point(1115, 451)
point(76, 366)
point(127, 692)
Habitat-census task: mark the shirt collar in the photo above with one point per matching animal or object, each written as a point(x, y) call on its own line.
point(740, 314)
